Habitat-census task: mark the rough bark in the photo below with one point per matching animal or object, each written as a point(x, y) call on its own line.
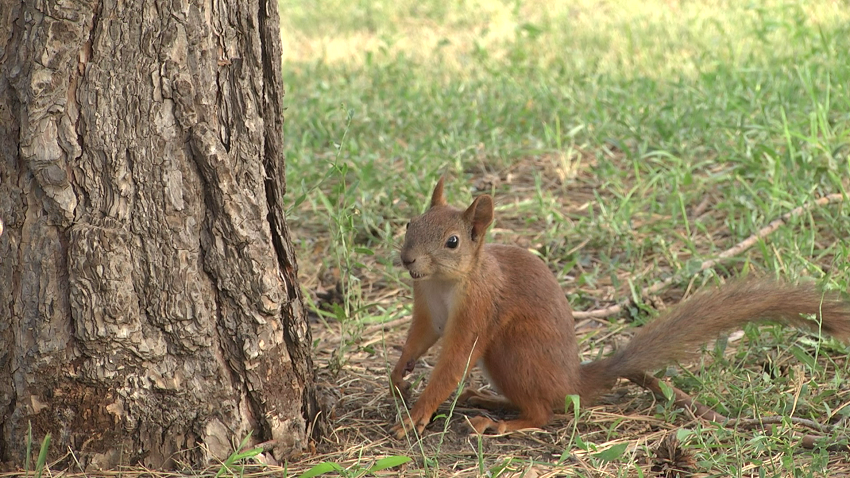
point(149, 306)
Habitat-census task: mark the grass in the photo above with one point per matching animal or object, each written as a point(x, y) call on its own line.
point(624, 142)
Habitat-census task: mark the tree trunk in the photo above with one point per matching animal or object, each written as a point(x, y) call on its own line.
point(149, 307)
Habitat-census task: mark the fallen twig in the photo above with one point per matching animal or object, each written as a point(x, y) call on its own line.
point(731, 252)
point(699, 410)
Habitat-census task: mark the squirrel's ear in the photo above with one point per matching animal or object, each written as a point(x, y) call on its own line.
point(480, 215)
point(437, 198)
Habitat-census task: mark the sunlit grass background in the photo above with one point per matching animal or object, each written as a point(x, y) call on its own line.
point(624, 142)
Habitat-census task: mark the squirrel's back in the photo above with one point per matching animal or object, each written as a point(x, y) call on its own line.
point(527, 278)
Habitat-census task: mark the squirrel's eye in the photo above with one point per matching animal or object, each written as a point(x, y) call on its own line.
point(452, 242)
point(407, 226)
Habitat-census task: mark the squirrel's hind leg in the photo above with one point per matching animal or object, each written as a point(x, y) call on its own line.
point(531, 416)
point(485, 399)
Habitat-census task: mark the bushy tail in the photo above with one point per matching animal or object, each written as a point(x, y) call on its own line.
point(678, 333)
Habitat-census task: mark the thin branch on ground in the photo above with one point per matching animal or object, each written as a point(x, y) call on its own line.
point(699, 410)
point(732, 252)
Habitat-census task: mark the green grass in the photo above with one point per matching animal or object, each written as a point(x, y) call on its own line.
point(606, 124)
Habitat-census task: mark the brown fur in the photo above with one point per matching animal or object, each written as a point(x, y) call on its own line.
point(500, 305)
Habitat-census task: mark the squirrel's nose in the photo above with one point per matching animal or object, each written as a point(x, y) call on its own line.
point(407, 260)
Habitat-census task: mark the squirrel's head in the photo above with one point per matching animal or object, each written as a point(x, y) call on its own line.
point(445, 243)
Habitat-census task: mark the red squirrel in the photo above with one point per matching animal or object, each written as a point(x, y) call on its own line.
point(499, 306)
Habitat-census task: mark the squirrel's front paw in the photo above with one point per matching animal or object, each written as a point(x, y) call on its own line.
point(400, 388)
point(400, 429)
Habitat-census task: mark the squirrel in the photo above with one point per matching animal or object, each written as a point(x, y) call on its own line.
point(500, 307)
